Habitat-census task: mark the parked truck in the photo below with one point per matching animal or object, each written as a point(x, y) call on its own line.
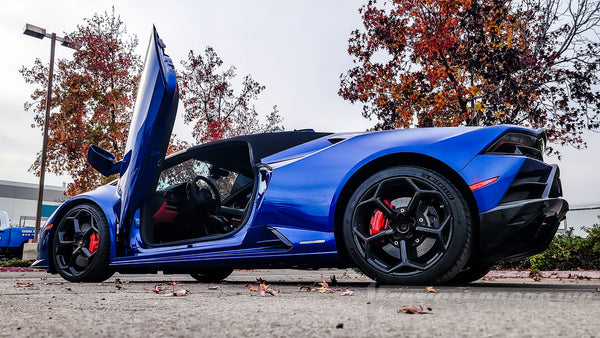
point(12, 238)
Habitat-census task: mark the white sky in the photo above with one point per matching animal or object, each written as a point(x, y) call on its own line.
point(297, 49)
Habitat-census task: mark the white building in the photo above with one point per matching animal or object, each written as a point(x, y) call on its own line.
point(19, 200)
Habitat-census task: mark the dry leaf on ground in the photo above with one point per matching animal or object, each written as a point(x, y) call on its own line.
point(263, 289)
point(430, 289)
point(25, 284)
point(158, 288)
point(307, 288)
point(181, 293)
point(348, 292)
point(412, 309)
point(324, 288)
point(215, 287)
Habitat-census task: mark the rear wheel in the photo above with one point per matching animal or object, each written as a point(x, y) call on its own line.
point(211, 275)
point(408, 225)
point(81, 245)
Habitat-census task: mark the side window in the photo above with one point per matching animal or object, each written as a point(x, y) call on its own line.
point(227, 182)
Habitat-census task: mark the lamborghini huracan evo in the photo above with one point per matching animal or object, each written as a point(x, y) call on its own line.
point(413, 206)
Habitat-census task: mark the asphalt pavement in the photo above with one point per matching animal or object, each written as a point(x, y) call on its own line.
point(292, 303)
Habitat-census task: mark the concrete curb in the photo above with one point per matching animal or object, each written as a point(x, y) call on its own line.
point(498, 274)
point(579, 274)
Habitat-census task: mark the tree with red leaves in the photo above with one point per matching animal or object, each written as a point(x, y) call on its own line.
point(212, 105)
point(478, 62)
point(92, 99)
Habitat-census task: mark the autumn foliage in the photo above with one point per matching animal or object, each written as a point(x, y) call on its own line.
point(92, 99)
point(478, 62)
point(213, 106)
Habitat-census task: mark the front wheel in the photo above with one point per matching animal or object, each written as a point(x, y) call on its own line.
point(212, 275)
point(408, 225)
point(81, 245)
point(471, 274)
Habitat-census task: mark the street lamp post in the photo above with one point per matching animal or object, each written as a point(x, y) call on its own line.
point(40, 33)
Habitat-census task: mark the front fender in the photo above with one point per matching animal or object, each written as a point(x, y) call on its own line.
point(104, 197)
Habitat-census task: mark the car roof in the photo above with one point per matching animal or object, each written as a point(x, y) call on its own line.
point(267, 144)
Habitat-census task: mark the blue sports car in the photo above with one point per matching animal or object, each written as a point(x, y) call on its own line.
point(414, 206)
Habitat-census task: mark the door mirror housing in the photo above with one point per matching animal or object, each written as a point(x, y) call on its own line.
point(103, 161)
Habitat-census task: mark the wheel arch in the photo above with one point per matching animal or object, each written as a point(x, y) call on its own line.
point(62, 212)
point(393, 160)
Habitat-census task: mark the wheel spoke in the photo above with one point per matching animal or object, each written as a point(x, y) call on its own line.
point(76, 227)
point(380, 235)
point(436, 233)
point(369, 241)
point(406, 262)
point(63, 244)
point(85, 252)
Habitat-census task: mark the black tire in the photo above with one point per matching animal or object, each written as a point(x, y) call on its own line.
point(81, 245)
point(471, 274)
point(212, 275)
point(408, 225)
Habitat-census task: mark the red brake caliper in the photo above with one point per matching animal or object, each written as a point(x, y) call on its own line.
point(379, 221)
point(94, 240)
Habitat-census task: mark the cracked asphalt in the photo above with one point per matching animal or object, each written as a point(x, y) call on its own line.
point(42, 305)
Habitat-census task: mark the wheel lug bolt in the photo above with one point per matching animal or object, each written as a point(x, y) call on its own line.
point(420, 219)
point(417, 240)
point(395, 242)
point(402, 210)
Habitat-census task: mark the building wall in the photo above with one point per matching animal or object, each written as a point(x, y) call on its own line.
point(19, 200)
point(581, 215)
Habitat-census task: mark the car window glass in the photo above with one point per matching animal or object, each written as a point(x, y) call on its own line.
point(227, 182)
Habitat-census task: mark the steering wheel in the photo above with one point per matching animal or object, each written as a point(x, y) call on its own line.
point(205, 200)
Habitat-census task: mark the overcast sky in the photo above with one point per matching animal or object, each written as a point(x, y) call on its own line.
point(297, 49)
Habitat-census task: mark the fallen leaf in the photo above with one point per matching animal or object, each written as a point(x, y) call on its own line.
point(174, 283)
point(307, 288)
point(263, 289)
point(430, 289)
point(537, 278)
point(216, 287)
point(181, 293)
point(158, 288)
point(412, 309)
point(324, 288)
point(117, 281)
point(348, 292)
point(25, 284)
point(68, 289)
point(260, 280)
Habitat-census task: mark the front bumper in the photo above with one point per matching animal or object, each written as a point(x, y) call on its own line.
point(516, 230)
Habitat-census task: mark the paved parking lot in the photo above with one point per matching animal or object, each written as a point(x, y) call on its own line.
point(39, 304)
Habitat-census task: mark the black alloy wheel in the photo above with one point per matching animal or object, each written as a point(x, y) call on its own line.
point(81, 245)
point(471, 273)
point(408, 225)
point(212, 275)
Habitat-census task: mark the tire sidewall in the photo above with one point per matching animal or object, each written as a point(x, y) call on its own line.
point(460, 243)
point(98, 270)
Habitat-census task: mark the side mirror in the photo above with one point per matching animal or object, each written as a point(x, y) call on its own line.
point(103, 161)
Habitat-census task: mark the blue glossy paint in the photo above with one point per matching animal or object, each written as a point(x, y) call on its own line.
point(291, 219)
point(150, 129)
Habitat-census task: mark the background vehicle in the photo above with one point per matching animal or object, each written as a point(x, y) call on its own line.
point(12, 238)
point(416, 206)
